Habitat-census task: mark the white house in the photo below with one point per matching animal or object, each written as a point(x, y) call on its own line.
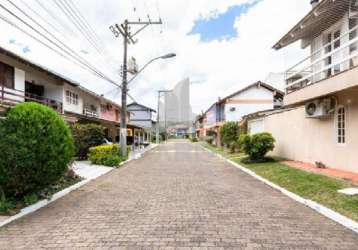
point(255, 97)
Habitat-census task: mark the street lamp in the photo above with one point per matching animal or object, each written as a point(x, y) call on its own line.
point(165, 114)
point(123, 131)
point(167, 56)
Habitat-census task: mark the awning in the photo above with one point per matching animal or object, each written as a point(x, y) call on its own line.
point(320, 18)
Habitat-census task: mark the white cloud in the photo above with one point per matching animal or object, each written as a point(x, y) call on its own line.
point(217, 67)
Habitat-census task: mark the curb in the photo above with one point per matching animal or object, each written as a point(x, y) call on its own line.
point(327, 212)
point(42, 203)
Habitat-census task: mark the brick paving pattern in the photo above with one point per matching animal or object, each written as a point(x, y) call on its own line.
point(176, 197)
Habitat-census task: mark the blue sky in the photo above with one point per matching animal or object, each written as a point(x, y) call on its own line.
point(221, 26)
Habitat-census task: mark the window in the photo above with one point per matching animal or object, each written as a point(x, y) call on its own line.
point(341, 125)
point(6, 75)
point(71, 98)
point(337, 42)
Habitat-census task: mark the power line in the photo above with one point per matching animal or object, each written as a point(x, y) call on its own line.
point(53, 16)
point(64, 45)
point(82, 26)
point(73, 20)
point(40, 17)
point(43, 20)
point(77, 18)
point(85, 65)
point(87, 23)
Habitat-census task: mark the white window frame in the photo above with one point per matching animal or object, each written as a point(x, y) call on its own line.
point(341, 138)
point(71, 97)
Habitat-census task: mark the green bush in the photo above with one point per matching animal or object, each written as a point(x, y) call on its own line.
point(107, 155)
point(36, 148)
point(6, 206)
point(85, 137)
point(229, 133)
point(30, 199)
point(112, 160)
point(257, 146)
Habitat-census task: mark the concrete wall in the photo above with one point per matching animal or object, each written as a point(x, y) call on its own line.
point(311, 140)
point(109, 115)
point(256, 126)
point(78, 109)
point(250, 101)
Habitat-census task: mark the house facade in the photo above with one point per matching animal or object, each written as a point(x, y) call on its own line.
point(141, 115)
point(321, 99)
point(22, 81)
point(255, 97)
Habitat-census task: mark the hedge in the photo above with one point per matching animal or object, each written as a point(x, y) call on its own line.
point(107, 155)
point(36, 148)
point(86, 136)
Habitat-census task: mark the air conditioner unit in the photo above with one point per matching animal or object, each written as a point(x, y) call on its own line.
point(320, 109)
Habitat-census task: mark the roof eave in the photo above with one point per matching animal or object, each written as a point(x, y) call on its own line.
point(291, 36)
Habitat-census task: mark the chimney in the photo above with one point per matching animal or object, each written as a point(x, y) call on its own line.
point(314, 3)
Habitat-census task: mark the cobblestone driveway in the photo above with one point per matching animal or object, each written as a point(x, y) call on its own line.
point(176, 196)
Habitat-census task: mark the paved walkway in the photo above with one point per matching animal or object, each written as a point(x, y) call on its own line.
point(176, 196)
point(332, 172)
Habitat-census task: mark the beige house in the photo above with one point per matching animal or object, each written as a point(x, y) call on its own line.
point(320, 119)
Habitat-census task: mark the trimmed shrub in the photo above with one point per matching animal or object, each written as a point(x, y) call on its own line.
point(229, 133)
point(85, 137)
point(107, 155)
point(257, 146)
point(30, 199)
point(36, 148)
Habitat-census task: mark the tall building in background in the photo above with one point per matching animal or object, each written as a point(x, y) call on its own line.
point(176, 108)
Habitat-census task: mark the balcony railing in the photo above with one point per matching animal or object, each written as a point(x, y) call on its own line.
point(336, 56)
point(57, 106)
point(11, 97)
point(90, 113)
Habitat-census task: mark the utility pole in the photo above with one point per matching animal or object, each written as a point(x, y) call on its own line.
point(157, 128)
point(128, 38)
point(165, 115)
point(123, 121)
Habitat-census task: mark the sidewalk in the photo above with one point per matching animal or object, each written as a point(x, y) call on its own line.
point(331, 172)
